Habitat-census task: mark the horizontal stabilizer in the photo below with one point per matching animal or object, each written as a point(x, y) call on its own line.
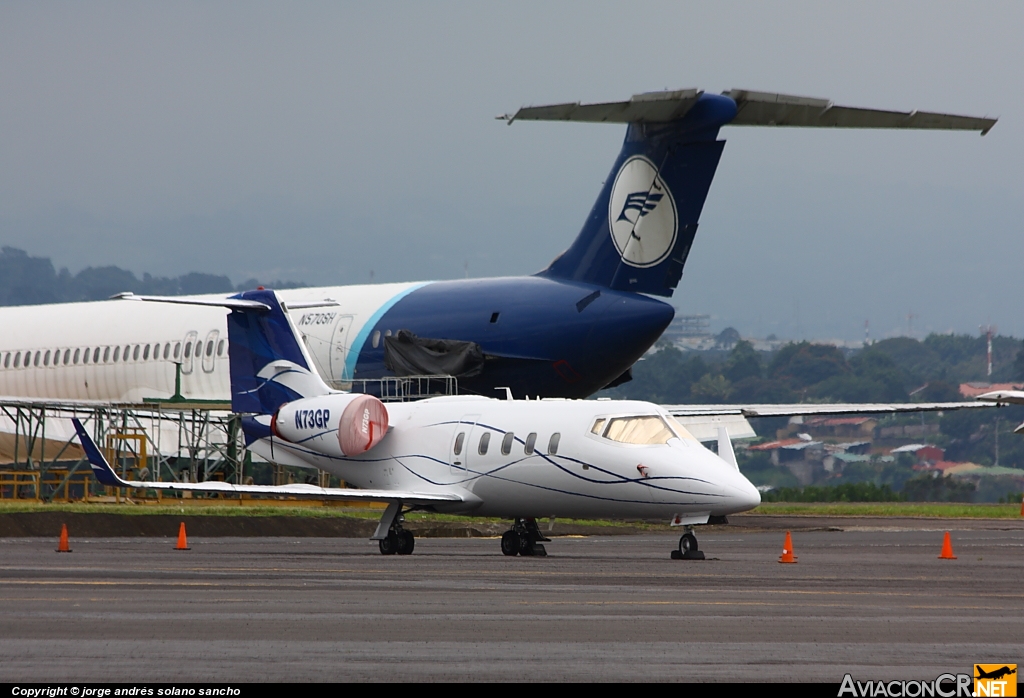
point(752, 109)
point(649, 107)
point(106, 475)
point(770, 109)
point(229, 303)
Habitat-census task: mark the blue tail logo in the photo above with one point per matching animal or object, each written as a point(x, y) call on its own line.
point(269, 364)
point(640, 201)
point(647, 238)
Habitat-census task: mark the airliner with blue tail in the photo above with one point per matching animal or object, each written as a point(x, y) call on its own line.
point(567, 331)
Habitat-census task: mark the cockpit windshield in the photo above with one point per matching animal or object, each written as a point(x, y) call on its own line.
point(644, 430)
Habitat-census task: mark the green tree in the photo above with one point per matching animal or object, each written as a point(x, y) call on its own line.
point(743, 362)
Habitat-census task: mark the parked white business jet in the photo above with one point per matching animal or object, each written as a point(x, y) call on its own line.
point(516, 459)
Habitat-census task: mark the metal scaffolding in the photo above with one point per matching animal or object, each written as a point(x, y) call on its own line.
point(41, 458)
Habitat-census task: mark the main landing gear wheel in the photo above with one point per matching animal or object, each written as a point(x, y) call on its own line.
point(510, 543)
point(389, 544)
point(524, 539)
point(688, 549)
point(406, 542)
point(398, 541)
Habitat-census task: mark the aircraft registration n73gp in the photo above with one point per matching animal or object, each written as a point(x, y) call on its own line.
point(517, 459)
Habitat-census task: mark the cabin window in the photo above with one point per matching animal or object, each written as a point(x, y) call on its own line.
point(77, 351)
point(506, 443)
point(375, 341)
point(135, 352)
point(485, 440)
point(598, 426)
point(46, 358)
point(96, 355)
point(188, 350)
point(7, 360)
point(67, 356)
point(38, 356)
point(177, 349)
point(458, 443)
point(17, 359)
point(646, 430)
point(220, 348)
point(553, 443)
point(531, 441)
point(387, 333)
point(106, 354)
point(145, 353)
point(209, 348)
point(167, 350)
point(117, 354)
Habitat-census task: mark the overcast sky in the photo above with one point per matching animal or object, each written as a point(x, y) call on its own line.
point(321, 143)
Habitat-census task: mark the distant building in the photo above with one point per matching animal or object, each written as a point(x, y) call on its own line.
point(843, 427)
point(974, 389)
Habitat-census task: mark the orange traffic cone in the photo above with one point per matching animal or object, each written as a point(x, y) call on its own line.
point(787, 550)
point(947, 549)
point(62, 546)
point(182, 540)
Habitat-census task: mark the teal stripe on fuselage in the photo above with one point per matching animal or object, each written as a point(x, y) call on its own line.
point(356, 347)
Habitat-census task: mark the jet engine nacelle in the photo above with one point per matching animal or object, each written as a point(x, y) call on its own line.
point(346, 425)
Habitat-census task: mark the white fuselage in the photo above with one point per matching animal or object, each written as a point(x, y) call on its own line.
point(122, 351)
point(571, 471)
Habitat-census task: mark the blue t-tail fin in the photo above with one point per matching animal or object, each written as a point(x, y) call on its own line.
point(640, 231)
point(269, 363)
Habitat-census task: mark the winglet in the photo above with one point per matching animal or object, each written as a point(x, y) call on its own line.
point(100, 468)
point(725, 451)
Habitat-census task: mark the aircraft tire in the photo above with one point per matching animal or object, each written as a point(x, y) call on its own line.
point(688, 543)
point(406, 543)
point(389, 545)
point(511, 543)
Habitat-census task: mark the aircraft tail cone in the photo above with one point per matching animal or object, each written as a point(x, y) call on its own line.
point(787, 550)
point(182, 540)
point(62, 546)
point(947, 549)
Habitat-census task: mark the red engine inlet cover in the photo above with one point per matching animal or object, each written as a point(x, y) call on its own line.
point(363, 424)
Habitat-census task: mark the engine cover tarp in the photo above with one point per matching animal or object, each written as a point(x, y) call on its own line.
point(408, 355)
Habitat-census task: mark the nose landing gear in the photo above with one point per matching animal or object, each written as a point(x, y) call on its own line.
point(524, 539)
point(688, 549)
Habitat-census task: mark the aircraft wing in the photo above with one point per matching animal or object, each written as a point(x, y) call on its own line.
point(106, 475)
point(703, 421)
point(812, 409)
point(1005, 397)
point(771, 109)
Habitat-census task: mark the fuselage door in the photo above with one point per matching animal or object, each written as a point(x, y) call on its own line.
point(209, 349)
point(189, 348)
point(462, 444)
point(339, 350)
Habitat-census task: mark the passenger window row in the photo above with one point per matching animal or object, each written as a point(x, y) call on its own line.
point(506, 443)
point(107, 354)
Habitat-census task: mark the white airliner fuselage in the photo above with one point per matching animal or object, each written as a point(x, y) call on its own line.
point(124, 352)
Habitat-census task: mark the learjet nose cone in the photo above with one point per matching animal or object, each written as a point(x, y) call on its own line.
point(745, 496)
